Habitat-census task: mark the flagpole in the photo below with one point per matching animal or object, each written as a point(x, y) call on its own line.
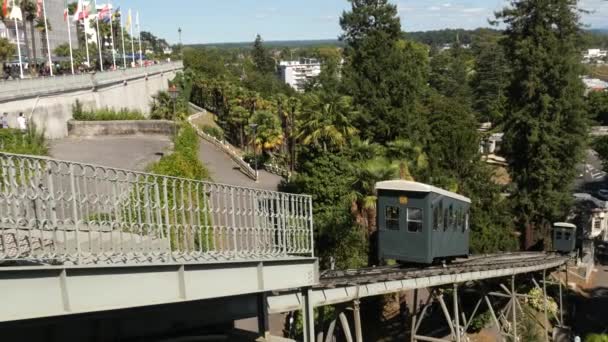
point(98, 36)
point(70, 40)
point(46, 32)
point(132, 42)
point(112, 35)
point(86, 42)
point(18, 44)
point(141, 58)
point(122, 39)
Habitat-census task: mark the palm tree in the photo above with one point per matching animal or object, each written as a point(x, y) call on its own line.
point(269, 134)
point(363, 198)
point(29, 9)
point(326, 120)
point(42, 29)
point(7, 50)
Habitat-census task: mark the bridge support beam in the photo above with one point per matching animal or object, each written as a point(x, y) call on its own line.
point(308, 315)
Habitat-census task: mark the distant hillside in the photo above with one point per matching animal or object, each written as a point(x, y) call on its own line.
point(594, 38)
point(275, 44)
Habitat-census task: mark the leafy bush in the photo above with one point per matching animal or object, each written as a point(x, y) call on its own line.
point(30, 142)
point(216, 132)
point(479, 322)
point(596, 338)
point(261, 158)
point(184, 161)
point(105, 114)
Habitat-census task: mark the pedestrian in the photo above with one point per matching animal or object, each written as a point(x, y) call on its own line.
point(4, 121)
point(22, 123)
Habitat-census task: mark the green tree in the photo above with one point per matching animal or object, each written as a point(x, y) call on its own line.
point(262, 60)
point(450, 70)
point(597, 107)
point(7, 50)
point(269, 134)
point(29, 10)
point(327, 121)
point(546, 128)
point(491, 78)
point(384, 74)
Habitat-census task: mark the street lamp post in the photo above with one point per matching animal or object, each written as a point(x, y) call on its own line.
point(174, 92)
point(254, 128)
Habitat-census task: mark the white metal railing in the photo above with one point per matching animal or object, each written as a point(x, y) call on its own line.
point(222, 145)
point(74, 213)
point(15, 89)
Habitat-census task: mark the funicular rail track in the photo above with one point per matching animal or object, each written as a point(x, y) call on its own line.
point(330, 279)
point(337, 287)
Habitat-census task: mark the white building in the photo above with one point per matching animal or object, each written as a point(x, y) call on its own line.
point(298, 73)
point(595, 54)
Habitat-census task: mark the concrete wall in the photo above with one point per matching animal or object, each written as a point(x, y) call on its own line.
point(126, 127)
point(51, 113)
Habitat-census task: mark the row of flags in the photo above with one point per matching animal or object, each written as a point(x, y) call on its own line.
point(84, 10)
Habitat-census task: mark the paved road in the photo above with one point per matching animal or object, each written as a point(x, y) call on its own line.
point(225, 170)
point(125, 152)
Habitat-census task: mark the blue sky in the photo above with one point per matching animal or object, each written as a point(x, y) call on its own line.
point(208, 21)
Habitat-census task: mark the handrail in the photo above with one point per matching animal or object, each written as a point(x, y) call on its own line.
point(222, 145)
point(54, 211)
point(16, 89)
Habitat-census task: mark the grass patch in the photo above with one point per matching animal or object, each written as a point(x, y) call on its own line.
point(105, 114)
point(29, 142)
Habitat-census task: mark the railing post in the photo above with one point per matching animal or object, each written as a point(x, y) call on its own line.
point(167, 220)
point(75, 212)
point(235, 229)
point(311, 232)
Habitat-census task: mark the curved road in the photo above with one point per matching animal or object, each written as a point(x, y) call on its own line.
point(125, 152)
point(138, 151)
point(224, 170)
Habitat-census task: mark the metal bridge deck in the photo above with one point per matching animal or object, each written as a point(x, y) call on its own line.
point(344, 286)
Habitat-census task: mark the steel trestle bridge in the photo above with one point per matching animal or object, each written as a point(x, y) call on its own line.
point(80, 238)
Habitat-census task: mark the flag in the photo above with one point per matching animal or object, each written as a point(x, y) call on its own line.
point(105, 13)
point(137, 20)
point(92, 8)
point(5, 8)
point(66, 11)
point(39, 8)
point(16, 13)
point(128, 23)
point(81, 11)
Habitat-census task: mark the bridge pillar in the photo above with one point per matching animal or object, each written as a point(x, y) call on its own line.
point(357, 318)
point(263, 327)
point(308, 315)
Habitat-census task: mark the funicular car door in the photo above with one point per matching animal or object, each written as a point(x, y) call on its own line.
point(401, 228)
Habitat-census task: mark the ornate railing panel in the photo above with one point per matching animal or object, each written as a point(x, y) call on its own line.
point(65, 212)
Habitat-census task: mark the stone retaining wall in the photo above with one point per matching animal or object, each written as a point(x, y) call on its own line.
point(123, 127)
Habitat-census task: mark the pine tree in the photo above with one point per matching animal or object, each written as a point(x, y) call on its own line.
point(261, 57)
point(545, 127)
point(384, 74)
point(491, 77)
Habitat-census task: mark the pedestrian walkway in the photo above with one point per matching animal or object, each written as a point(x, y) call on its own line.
point(224, 170)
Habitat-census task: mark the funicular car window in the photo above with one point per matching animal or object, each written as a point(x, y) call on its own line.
point(414, 220)
point(392, 218)
point(446, 219)
point(558, 235)
point(567, 236)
